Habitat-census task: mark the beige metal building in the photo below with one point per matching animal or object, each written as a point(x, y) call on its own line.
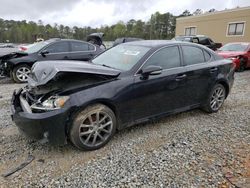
point(232, 25)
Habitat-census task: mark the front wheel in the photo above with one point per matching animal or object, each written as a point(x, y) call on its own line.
point(215, 99)
point(93, 127)
point(20, 73)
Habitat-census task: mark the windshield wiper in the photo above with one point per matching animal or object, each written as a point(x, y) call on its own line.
point(107, 66)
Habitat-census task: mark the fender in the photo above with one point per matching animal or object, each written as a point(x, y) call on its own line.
point(17, 61)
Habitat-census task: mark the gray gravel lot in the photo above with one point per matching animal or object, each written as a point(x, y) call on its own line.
point(191, 149)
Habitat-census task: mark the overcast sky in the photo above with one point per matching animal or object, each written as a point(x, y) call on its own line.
point(95, 13)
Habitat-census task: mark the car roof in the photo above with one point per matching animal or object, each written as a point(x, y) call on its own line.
point(191, 36)
point(156, 43)
point(59, 39)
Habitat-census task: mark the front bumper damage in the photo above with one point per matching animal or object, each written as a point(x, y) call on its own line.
point(50, 125)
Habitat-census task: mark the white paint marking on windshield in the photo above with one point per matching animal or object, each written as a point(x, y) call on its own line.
point(129, 52)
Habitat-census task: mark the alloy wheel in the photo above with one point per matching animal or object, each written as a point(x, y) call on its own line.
point(22, 74)
point(95, 129)
point(217, 98)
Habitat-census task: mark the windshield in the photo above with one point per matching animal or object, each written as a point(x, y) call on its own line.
point(234, 47)
point(36, 47)
point(122, 57)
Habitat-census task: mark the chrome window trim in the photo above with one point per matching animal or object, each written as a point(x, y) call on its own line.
point(83, 51)
point(202, 52)
point(165, 70)
point(65, 52)
point(136, 72)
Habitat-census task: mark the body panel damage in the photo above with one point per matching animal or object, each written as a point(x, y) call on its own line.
point(42, 73)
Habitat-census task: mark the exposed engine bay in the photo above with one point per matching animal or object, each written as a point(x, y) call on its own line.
point(55, 93)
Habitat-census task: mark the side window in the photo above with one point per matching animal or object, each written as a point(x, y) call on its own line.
point(79, 46)
point(91, 47)
point(58, 47)
point(211, 41)
point(196, 40)
point(207, 56)
point(204, 41)
point(167, 58)
point(192, 55)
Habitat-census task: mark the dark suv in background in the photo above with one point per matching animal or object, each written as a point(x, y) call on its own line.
point(200, 39)
point(17, 65)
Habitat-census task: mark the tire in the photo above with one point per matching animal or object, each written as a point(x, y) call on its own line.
point(88, 132)
point(215, 99)
point(20, 73)
point(242, 65)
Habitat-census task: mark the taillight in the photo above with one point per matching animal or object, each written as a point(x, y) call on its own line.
point(23, 48)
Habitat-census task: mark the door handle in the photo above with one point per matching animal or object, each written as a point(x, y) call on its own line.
point(66, 57)
point(180, 77)
point(214, 69)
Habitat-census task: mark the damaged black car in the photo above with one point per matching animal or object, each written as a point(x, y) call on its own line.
point(17, 65)
point(86, 103)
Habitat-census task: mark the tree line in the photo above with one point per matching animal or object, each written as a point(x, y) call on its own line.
point(159, 26)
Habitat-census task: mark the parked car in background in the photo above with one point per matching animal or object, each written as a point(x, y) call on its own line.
point(124, 40)
point(239, 52)
point(128, 84)
point(7, 45)
point(24, 47)
point(17, 65)
point(200, 39)
point(97, 39)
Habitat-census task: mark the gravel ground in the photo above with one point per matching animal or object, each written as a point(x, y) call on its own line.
point(191, 149)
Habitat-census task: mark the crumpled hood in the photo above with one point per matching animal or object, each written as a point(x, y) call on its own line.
point(13, 55)
point(228, 54)
point(43, 72)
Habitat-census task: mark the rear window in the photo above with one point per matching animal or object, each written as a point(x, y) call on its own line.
point(240, 47)
point(79, 46)
point(192, 55)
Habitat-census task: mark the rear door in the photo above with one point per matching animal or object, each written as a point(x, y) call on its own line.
point(82, 51)
point(56, 51)
point(200, 73)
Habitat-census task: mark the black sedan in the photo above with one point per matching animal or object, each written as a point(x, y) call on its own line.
point(17, 65)
point(128, 84)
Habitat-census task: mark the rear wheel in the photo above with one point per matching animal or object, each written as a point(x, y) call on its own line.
point(93, 127)
point(20, 73)
point(216, 98)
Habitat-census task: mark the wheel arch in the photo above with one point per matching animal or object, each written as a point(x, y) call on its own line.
point(80, 108)
point(225, 84)
point(21, 63)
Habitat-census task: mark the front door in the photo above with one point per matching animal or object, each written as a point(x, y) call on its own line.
point(55, 51)
point(162, 93)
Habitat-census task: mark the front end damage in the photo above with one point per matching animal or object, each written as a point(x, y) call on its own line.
point(42, 109)
point(38, 124)
point(5, 64)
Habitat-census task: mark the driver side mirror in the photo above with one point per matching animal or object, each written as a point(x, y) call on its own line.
point(150, 70)
point(44, 52)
